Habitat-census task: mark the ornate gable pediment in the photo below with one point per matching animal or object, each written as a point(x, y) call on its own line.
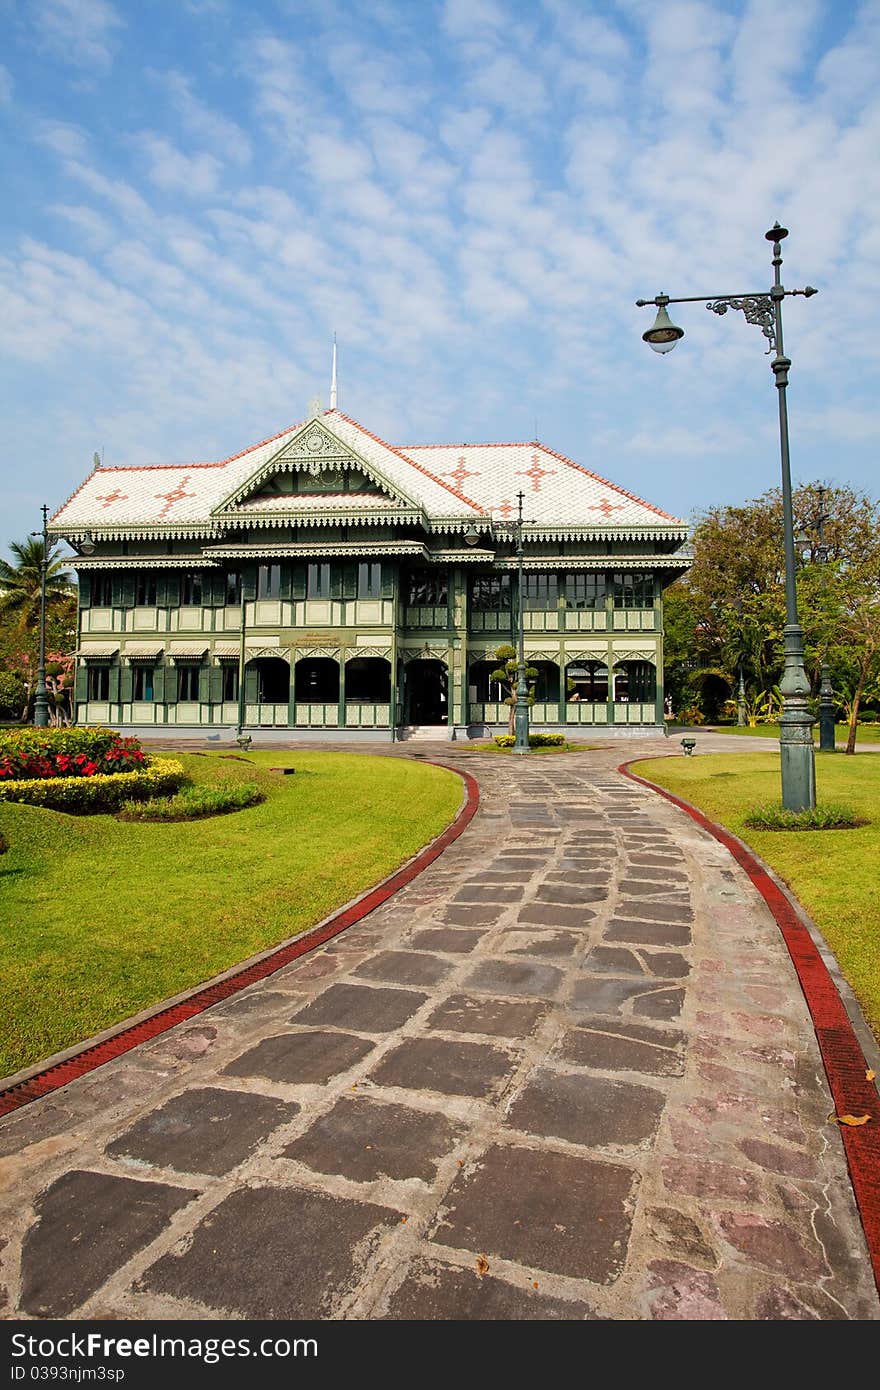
point(315, 464)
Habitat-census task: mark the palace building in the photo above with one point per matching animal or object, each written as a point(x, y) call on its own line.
point(331, 585)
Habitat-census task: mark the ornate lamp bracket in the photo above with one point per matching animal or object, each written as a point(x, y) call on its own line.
point(758, 309)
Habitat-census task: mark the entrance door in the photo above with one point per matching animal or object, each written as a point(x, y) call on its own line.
point(426, 692)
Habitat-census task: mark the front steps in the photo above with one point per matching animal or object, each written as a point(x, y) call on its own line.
point(423, 733)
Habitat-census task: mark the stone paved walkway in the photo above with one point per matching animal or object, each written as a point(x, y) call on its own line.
point(568, 1073)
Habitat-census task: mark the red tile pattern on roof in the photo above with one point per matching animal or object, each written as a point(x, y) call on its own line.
point(570, 496)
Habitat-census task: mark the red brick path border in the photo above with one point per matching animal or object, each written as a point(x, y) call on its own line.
point(842, 1056)
point(89, 1058)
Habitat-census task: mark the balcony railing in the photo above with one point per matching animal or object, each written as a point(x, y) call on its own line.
point(316, 715)
point(367, 716)
point(576, 712)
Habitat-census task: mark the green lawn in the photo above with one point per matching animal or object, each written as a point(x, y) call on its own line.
point(832, 872)
point(99, 918)
point(867, 733)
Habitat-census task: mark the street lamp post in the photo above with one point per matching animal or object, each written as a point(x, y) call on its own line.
point(765, 310)
point(41, 696)
point(521, 713)
point(521, 709)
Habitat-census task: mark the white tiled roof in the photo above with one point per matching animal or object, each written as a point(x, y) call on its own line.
point(456, 483)
point(320, 502)
point(416, 479)
point(558, 492)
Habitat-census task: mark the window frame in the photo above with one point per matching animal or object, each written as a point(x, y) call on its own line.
point(319, 579)
point(192, 589)
point(143, 682)
point(369, 580)
point(146, 590)
point(269, 581)
point(594, 586)
point(188, 678)
point(98, 676)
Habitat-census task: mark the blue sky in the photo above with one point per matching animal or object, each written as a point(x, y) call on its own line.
point(471, 194)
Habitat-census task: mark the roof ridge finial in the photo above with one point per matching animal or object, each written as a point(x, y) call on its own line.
point(333, 377)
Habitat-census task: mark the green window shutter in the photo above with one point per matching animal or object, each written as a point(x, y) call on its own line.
point(114, 683)
point(125, 683)
point(251, 685)
point(336, 581)
point(126, 589)
point(349, 581)
point(285, 588)
point(168, 590)
point(85, 593)
point(205, 683)
point(215, 685)
point(387, 580)
point(249, 583)
point(81, 685)
point(298, 581)
point(159, 684)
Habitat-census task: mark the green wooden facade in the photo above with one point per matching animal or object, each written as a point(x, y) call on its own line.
point(324, 595)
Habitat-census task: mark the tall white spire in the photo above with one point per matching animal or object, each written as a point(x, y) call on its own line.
point(333, 377)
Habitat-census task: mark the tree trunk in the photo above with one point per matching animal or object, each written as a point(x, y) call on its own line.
point(854, 717)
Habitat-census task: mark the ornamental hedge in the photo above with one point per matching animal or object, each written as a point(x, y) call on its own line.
point(99, 791)
point(535, 740)
point(61, 753)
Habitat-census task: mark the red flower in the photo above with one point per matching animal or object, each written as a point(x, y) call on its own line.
point(90, 769)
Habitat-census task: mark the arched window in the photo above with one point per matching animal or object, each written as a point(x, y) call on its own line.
point(316, 680)
point(635, 681)
point(272, 679)
point(368, 679)
point(586, 681)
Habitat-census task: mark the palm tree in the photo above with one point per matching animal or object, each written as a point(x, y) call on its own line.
point(20, 581)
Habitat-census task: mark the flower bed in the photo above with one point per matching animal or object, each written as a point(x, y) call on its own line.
point(99, 791)
point(38, 754)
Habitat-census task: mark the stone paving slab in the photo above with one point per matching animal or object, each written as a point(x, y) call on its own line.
point(567, 1073)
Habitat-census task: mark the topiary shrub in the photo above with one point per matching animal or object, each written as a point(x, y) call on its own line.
point(55, 753)
point(101, 791)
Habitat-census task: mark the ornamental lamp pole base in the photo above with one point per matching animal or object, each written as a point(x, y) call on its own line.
point(521, 715)
point(796, 752)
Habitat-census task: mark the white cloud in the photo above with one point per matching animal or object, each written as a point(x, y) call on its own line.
point(80, 32)
point(478, 191)
point(193, 176)
point(90, 224)
point(334, 160)
point(282, 100)
point(69, 141)
point(469, 18)
point(223, 136)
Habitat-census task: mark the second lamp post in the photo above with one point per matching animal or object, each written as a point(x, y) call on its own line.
point(765, 309)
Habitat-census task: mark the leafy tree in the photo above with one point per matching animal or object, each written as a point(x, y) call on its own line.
point(505, 676)
point(20, 582)
point(20, 627)
point(728, 612)
point(13, 695)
